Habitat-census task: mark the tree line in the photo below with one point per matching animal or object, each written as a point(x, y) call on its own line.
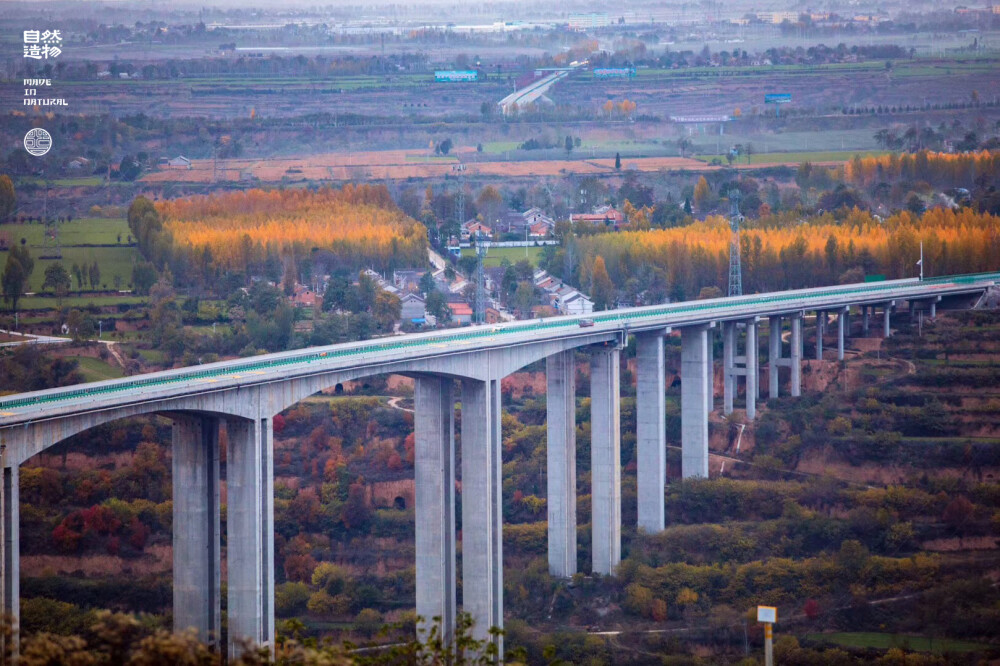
point(779, 251)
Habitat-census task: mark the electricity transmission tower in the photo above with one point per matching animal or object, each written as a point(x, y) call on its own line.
point(735, 271)
point(482, 246)
point(459, 169)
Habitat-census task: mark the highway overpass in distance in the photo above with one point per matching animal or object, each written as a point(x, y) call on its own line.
point(243, 396)
point(534, 90)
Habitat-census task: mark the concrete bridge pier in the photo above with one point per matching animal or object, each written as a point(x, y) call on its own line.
point(774, 356)
point(560, 407)
point(10, 579)
point(197, 545)
point(434, 472)
point(482, 509)
point(605, 460)
point(796, 355)
point(886, 314)
point(865, 310)
point(842, 331)
point(729, 373)
point(250, 532)
point(736, 365)
point(651, 437)
point(820, 330)
point(933, 307)
point(695, 400)
point(752, 370)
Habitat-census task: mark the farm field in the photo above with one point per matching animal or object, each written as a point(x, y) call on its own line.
point(799, 157)
point(71, 301)
point(384, 166)
point(397, 165)
point(82, 241)
point(886, 641)
point(112, 261)
point(96, 370)
point(82, 231)
point(496, 255)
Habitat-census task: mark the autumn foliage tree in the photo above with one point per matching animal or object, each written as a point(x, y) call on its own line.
point(601, 288)
point(246, 232)
point(779, 251)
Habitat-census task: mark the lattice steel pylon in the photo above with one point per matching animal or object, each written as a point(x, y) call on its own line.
point(735, 271)
point(459, 170)
point(482, 246)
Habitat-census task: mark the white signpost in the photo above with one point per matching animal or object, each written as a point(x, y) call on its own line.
point(769, 616)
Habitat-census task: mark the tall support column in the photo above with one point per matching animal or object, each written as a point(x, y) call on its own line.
point(912, 310)
point(482, 509)
point(796, 356)
point(250, 532)
point(847, 322)
point(819, 334)
point(651, 436)
point(753, 372)
point(728, 366)
point(560, 408)
point(841, 333)
point(197, 556)
point(934, 309)
point(694, 405)
point(605, 461)
point(434, 473)
point(865, 317)
point(11, 560)
point(710, 372)
point(886, 313)
point(774, 346)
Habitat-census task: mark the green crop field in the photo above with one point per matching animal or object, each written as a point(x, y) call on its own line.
point(82, 231)
point(496, 255)
point(112, 261)
point(798, 157)
point(96, 370)
point(80, 181)
point(886, 641)
point(496, 147)
point(73, 301)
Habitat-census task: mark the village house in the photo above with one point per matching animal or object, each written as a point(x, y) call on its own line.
point(414, 308)
point(534, 221)
point(461, 312)
point(303, 296)
point(407, 280)
point(471, 227)
point(606, 215)
point(562, 297)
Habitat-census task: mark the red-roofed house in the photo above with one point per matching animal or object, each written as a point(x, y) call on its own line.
point(604, 215)
point(303, 297)
point(461, 312)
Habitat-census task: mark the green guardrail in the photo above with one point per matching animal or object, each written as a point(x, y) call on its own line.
point(332, 353)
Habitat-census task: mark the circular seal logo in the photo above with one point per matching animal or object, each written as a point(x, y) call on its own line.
point(37, 142)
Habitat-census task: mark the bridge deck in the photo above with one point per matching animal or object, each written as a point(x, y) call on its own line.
point(269, 368)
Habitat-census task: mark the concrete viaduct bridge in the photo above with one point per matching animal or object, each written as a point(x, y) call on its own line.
point(243, 396)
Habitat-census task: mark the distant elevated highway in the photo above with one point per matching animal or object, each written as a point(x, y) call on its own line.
point(534, 91)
